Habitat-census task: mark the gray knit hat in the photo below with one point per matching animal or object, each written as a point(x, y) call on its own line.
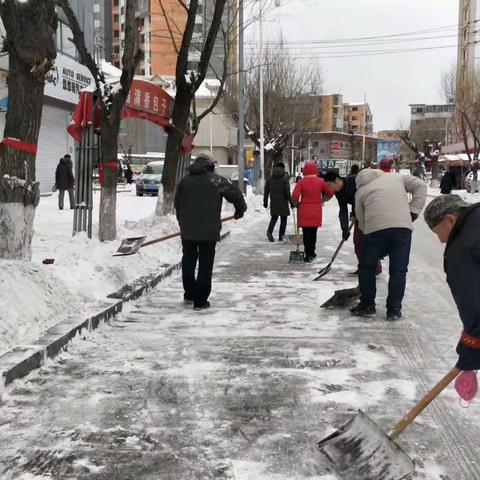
point(442, 206)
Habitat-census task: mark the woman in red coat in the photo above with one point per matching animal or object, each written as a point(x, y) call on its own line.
point(308, 192)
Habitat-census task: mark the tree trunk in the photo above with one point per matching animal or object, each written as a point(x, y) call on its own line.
point(108, 196)
point(30, 44)
point(180, 114)
point(434, 168)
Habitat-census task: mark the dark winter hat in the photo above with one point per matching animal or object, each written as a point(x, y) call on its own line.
point(280, 165)
point(442, 206)
point(331, 176)
point(206, 160)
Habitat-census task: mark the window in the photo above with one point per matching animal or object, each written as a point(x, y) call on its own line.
point(116, 33)
point(116, 49)
point(64, 40)
point(116, 18)
point(115, 3)
point(354, 109)
point(315, 144)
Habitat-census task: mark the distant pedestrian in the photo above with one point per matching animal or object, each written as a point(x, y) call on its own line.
point(129, 174)
point(198, 205)
point(309, 193)
point(386, 165)
point(354, 169)
point(385, 217)
point(447, 183)
point(299, 176)
point(457, 224)
point(277, 188)
point(65, 181)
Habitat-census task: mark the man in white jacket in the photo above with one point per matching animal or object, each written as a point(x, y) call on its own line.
point(385, 217)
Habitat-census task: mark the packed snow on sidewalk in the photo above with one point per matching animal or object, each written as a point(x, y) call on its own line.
point(36, 296)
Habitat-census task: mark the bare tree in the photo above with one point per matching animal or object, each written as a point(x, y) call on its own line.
point(111, 102)
point(466, 98)
point(30, 43)
point(187, 82)
point(288, 91)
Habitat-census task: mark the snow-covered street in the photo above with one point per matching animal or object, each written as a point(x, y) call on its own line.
point(244, 391)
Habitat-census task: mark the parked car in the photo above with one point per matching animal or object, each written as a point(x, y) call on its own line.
point(148, 182)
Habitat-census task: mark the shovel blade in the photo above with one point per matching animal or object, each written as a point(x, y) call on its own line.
point(360, 450)
point(297, 256)
point(129, 246)
point(342, 298)
point(323, 272)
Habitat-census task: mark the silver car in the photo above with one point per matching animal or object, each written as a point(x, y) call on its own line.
point(148, 182)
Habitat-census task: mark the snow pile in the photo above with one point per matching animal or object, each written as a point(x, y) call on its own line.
point(36, 296)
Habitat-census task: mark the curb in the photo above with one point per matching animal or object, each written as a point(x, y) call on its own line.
point(21, 360)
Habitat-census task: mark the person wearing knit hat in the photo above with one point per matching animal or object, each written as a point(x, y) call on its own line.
point(386, 165)
point(457, 223)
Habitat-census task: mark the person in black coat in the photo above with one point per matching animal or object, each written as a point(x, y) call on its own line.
point(345, 190)
point(198, 205)
point(457, 224)
point(447, 183)
point(277, 187)
point(64, 180)
point(129, 174)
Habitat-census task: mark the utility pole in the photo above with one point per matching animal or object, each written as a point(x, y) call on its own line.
point(261, 179)
point(241, 102)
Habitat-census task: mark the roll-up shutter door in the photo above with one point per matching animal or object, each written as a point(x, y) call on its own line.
point(53, 143)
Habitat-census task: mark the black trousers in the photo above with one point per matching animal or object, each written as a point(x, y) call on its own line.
point(197, 288)
point(309, 240)
point(283, 224)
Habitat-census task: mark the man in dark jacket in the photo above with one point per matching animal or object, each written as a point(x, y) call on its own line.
point(198, 204)
point(345, 190)
point(457, 224)
point(64, 180)
point(277, 187)
point(447, 182)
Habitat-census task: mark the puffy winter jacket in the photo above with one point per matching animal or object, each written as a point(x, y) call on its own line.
point(345, 197)
point(198, 203)
point(64, 178)
point(309, 191)
point(277, 187)
point(462, 266)
point(381, 200)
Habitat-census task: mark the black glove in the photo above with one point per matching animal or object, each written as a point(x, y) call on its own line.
point(414, 216)
point(345, 234)
point(292, 205)
point(265, 205)
point(238, 215)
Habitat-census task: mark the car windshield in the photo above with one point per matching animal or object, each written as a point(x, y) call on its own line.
point(153, 169)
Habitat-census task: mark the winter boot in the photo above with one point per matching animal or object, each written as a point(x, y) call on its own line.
point(280, 238)
point(202, 307)
point(270, 237)
point(392, 316)
point(362, 310)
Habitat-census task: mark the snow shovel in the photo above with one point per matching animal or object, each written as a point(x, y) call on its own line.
point(325, 270)
point(360, 450)
point(296, 255)
point(132, 245)
point(341, 298)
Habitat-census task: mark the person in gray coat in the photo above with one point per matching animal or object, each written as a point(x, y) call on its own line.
point(277, 188)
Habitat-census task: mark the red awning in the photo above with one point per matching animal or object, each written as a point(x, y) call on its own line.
point(146, 101)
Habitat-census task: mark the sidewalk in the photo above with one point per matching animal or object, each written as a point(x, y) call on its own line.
point(245, 390)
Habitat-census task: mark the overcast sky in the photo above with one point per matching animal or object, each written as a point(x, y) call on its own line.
point(391, 82)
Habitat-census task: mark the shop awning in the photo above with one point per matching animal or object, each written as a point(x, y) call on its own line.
point(146, 101)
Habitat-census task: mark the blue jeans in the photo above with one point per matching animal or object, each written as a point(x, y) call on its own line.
point(396, 243)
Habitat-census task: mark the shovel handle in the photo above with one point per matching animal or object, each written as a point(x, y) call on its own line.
point(424, 402)
point(352, 223)
point(173, 235)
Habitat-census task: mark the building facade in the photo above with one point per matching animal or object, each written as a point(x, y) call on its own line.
point(62, 88)
point(432, 122)
point(358, 118)
point(162, 24)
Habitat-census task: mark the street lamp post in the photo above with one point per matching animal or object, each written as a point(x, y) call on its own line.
point(261, 179)
point(241, 102)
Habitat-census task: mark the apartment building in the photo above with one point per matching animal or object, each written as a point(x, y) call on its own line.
point(358, 118)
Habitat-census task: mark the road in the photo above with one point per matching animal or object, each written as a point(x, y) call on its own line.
point(245, 390)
